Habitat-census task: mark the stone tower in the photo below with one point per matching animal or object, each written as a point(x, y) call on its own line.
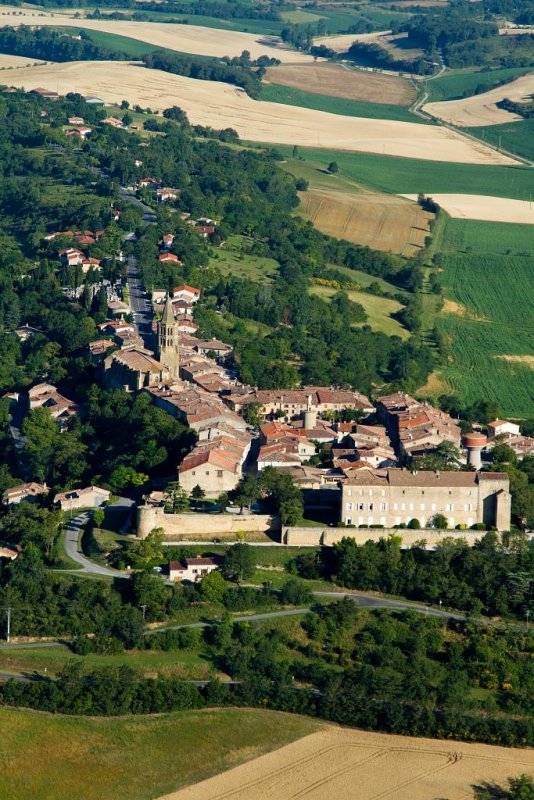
point(169, 340)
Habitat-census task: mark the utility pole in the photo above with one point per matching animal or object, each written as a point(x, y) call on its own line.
point(8, 632)
point(144, 611)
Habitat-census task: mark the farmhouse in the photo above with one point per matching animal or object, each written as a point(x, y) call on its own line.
point(90, 497)
point(391, 497)
point(29, 492)
point(191, 569)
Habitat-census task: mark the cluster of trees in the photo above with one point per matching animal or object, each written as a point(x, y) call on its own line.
point(373, 55)
point(525, 110)
point(238, 71)
point(395, 672)
point(220, 10)
point(492, 577)
point(49, 45)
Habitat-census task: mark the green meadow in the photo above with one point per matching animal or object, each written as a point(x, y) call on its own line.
point(411, 176)
point(289, 96)
point(516, 137)
point(53, 757)
point(458, 83)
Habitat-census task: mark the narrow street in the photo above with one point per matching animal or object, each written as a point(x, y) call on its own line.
point(139, 303)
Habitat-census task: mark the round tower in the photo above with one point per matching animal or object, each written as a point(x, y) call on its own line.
point(474, 444)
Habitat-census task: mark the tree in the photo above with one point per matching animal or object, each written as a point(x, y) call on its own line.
point(98, 517)
point(122, 477)
point(291, 511)
point(176, 114)
point(252, 415)
point(197, 493)
point(176, 499)
point(149, 551)
point(440, 522)
point(295, 593)
point(213, 587)
point(239, 563)
point(333, 167)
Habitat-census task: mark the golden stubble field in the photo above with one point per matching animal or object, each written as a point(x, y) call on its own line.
point(380, 221)
point(483, 207)
point(182, 38)
point(336, 81)
point(481, 109)
point(344, 764)
point(220, 105)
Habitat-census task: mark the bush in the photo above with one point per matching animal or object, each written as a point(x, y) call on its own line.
point(295, 593)
point(414, 524)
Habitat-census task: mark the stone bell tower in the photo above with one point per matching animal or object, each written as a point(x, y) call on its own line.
point(169, 340)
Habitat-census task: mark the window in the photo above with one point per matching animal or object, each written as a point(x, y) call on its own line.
point(403, 506)
point(349, 520)
point(383, 506)
point(371, 506)
point(449, 507)
point(411, 507)
point(433, 506)
point(395, 506)
point(220, 473)
point(349, 506)
point(193, 472)
point(383, 492)
point(422, 507)
point(349, 492)
point(467, 507)
point(370, 492)
point(360, 507)
point(207, 472)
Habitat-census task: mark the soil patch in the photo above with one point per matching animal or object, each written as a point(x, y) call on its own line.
point(526, 361)
point(336, 81)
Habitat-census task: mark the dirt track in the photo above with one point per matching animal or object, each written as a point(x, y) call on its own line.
point(481, 109)
point(182, 38)
point(223, 106)
point(343, 764)
point(336, 81)
point(490, 209)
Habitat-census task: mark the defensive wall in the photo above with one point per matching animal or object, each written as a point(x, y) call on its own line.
point(203, 526)
point(309, 537)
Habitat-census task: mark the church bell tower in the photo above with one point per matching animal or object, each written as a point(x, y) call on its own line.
point(169, 340)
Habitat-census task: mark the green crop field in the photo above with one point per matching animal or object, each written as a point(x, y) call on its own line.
point(50, 757)
point(289, 96)
point(378, 309)
point(458, 83)
point(516, 137)
point(497, 238)
point(488, 320)
point(234, 260)
point(122, 44)
point(411, 176)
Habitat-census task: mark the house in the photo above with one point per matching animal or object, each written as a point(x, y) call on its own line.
point(166, 240)
point(71, 257)
point(76, 121)
point(46, 395)
point(186, 324)
point(10, 553)
point(98, 349)
point(28, 492)
point(499, 427)
point(165, 194)
point(291, 403)
point(187, 293)
point(113, 121)
point(191, 569)
point(25, 332)
point(170, 258)
point(149, 183)
point(116, 327)
point(46, 94)
point(208, 346)
point(94, 101)
point(117, 309)
point(90, 263)
point(81, 131)
point(90, 497)
point(392, 497)
point(215, 466)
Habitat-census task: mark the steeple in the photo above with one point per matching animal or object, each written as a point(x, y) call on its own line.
point(169, 339)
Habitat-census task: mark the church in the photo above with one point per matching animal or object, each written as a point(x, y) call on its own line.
point(134, 368)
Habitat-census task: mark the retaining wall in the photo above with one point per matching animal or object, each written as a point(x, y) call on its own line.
point(329, 536)
point(202, 525)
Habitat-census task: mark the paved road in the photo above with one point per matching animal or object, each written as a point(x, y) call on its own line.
point(139, 303)
point(71, 540)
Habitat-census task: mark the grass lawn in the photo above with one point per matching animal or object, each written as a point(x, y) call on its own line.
point(516, 137)
point(49, 756)
point(378, 309)
point(51, 660)
point(278, 577)
point(234, 260)
point(411, 176)
point(364, 279)
point(289, 96)
point(455, 83)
